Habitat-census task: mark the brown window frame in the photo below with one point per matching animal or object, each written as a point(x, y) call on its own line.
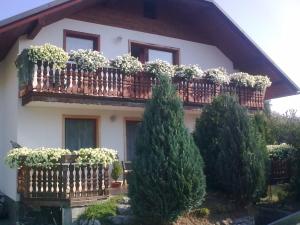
point(87, 36)
point(79, 117)
point(175, 51)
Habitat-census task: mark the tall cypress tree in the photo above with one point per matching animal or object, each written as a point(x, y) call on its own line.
point(233, 150)
point(167, 177)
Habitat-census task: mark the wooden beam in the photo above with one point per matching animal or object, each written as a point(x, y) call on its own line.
point(38, 25)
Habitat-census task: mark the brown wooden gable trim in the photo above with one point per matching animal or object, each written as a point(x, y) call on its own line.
point(38, 25)
point(88, 36)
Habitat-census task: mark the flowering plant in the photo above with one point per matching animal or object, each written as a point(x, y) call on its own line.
point(44, 53)
point(40, 157)
point(93, 156)
point(88, 60)
point(279, 152)
point(127, 64)
point(262, 82)
point(48, 157)
point(159, 67)
point(48, 53)
point(216, 75)
point(188, 72)
point(258, 82)
point(242, 79)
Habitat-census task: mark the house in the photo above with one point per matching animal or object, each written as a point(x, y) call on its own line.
point(179, 31)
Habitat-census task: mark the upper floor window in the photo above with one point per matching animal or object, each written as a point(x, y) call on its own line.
point(148, 52)
point(74, 40)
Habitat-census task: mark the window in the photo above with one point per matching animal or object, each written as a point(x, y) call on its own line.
point(148, 52)
point(81, 133)
point(74, 40)
point(131, 134)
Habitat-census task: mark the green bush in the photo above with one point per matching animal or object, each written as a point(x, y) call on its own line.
point(262, 122)
point(286, 128)
point(295, 180)
point(116, 170)
point(280, 152)
point(102, 210)
point(167, 178)
point(233, 150)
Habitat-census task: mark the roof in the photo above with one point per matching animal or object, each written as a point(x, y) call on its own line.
point(233, 42)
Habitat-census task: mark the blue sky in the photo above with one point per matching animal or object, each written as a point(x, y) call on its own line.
point(273, 24)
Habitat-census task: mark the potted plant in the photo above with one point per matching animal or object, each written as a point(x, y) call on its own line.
point(115, 174)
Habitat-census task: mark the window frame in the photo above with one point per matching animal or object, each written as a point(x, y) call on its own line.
point(81, 117)
point(175, 51)
point(81, 35)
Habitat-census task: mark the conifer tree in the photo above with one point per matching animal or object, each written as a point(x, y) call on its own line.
point(233, 150)
point(167, 178)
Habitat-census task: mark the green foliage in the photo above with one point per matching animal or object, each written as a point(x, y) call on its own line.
point(286, 128)
point(280, 152)
point(116, 170)
point(262, 122)
point(233, 150)
point(25, 68)
point(102, 210)
point(167, 178)
point(295, 180)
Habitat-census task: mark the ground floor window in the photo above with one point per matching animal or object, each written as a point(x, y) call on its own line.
point(132, 128)
point(80, 133)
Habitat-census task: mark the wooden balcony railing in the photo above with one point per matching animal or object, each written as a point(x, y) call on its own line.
point(66, 183)
point(110, 83)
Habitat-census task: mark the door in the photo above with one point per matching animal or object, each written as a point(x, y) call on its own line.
point(132, 128)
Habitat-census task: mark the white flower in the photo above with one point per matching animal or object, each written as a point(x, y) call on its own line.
point(262, 82)
point(216, 75)
point(48, 53)
point(159, 67)
point(258, 82)
point(188, 72)
point(242, 79)
point(48, 157)
point(127, 64)
point(88, 60)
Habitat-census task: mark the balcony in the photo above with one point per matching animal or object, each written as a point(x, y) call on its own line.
point(64, 185)
point(108, 86)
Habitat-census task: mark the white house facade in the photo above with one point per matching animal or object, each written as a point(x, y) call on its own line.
point(45, 123)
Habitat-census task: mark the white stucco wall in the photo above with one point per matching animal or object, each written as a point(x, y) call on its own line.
point(43, 126)
point(114, 41)
point(8, 120)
